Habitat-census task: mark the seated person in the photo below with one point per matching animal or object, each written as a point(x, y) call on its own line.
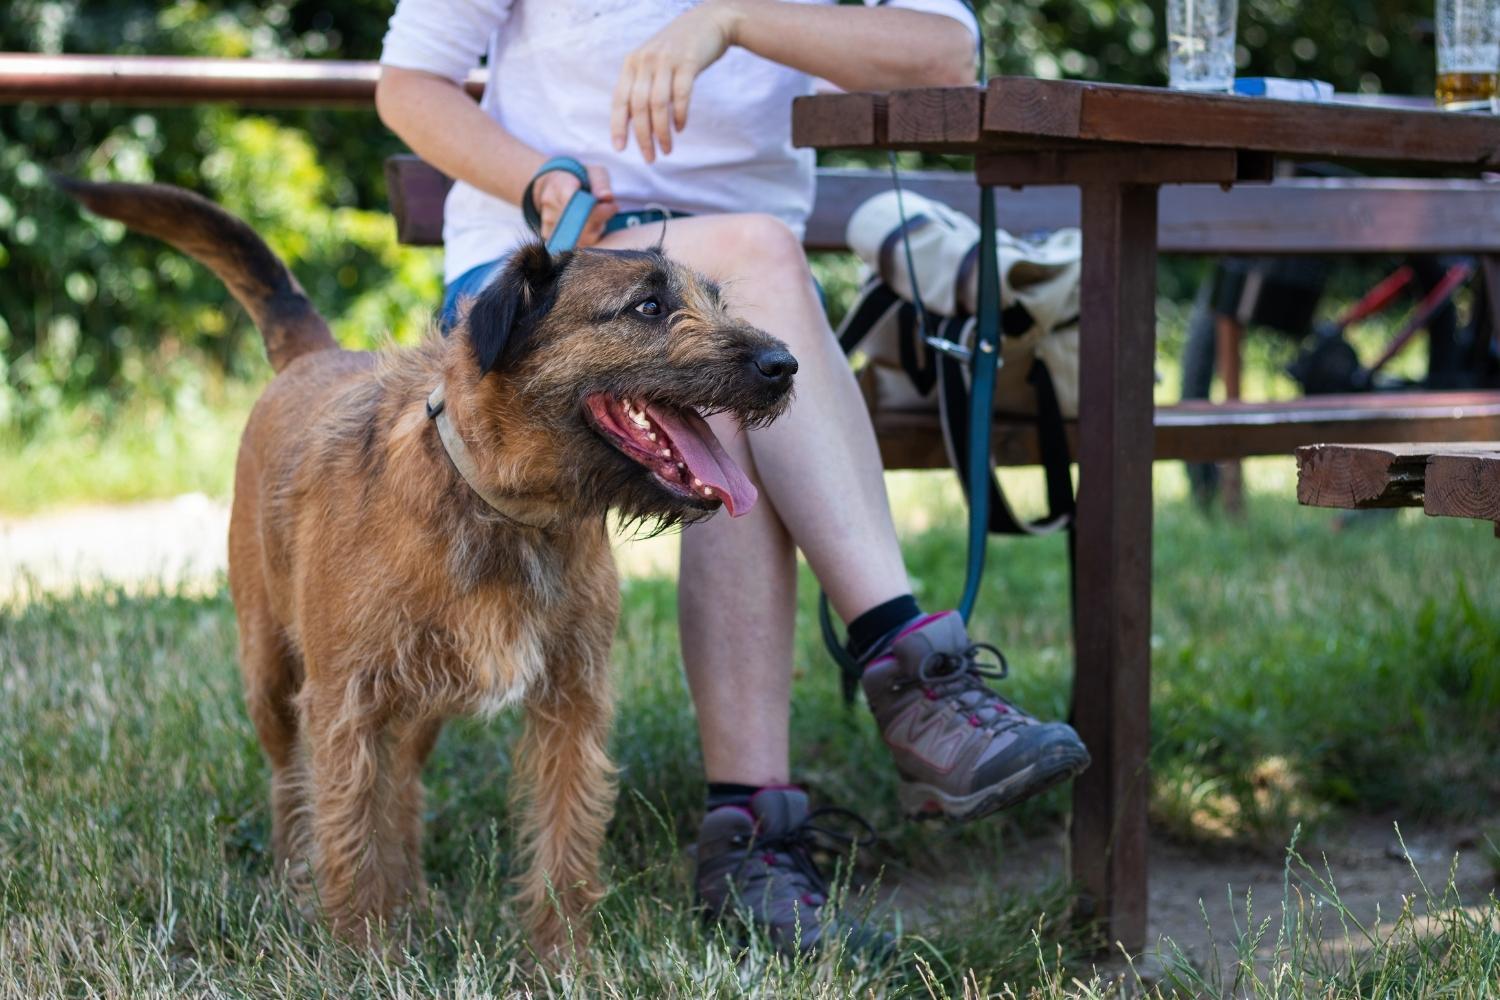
point(687, 107)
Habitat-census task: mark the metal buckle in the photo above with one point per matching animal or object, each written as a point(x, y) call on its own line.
point(956, 351)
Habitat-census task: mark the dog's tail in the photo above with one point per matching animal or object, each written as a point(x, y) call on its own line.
point(225, 245)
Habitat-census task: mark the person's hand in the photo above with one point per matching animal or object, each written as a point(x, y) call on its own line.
point(553, 190)
point(656, 81)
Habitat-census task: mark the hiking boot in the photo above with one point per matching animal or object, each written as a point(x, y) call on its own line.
point(754, 862)
point(962, 751)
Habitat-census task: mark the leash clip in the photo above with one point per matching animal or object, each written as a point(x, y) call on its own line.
point(954, 350)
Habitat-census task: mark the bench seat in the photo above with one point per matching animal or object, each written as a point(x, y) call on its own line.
point(1293, 215)
point(1205, 432)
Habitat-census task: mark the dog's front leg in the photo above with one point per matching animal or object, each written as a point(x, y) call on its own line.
point(361, 858)
point(565, 789)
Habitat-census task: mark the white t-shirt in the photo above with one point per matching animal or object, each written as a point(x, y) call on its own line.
point(552, 71)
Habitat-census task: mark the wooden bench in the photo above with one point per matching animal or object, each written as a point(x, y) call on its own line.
point(1445, 480)
point(1293, 216)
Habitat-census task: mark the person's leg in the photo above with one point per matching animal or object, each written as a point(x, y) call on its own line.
point(821, 484)
point(959, 747)
point(737, 603)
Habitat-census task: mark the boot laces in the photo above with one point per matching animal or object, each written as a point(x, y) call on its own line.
point(961, 678)
point(790, 853)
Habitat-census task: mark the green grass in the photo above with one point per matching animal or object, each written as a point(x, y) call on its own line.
point(140, 450)
point(1299, 674)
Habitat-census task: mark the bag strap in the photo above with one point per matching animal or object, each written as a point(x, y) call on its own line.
point(575, 213)
point(954, 406)
point(874, 303)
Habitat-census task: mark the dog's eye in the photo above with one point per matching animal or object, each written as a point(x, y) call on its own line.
point(649, 307)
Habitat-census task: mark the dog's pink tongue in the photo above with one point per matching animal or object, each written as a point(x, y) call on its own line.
point(706, 459)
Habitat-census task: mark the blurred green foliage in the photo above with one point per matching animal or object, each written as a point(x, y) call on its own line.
point(91, 316)
point(1357, 45)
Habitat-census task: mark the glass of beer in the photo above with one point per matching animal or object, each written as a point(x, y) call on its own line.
point(1200, 44)
point(1468, 53)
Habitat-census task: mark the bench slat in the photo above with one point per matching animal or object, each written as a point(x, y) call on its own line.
point(1444, 479)
point(1347, 215)
point(1465, 482)
point(1207, 432)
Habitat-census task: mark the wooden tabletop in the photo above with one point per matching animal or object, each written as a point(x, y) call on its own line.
point(1021, 113)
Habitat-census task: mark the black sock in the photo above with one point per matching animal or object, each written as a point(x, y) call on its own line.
point(727, 793)
point(879, 622)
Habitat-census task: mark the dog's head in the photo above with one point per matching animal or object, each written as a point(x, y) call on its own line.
point(606, 363)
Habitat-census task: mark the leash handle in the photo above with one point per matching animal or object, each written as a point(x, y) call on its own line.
point(575, 213)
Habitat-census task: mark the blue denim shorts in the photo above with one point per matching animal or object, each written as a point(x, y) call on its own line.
point(466, 285)
point(472, 281)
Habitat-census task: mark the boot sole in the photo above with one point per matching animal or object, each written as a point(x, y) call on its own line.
point(923, 801)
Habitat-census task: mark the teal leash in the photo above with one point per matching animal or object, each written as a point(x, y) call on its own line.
point(575, 213)
point(984, 363)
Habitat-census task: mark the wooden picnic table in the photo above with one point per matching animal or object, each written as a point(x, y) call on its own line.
point(1118, 145)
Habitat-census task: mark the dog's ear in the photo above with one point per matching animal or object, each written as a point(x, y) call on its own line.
point(507, 311)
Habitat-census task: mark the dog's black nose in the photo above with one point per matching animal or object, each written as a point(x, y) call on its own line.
point(775, 365)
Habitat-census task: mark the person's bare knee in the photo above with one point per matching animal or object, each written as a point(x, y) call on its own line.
point(759, 247)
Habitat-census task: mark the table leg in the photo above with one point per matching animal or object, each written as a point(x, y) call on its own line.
point(1230, 333)
point(1111, 693)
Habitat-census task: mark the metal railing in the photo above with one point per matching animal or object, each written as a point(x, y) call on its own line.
point(167, 80)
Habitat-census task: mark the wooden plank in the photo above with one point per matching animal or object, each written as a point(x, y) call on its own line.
point(1143, 165)
point(1112, 625)
point(1445, 479)
point(1299, 216)
point(935, 115)
point(1365, 215)
point(1050, 114)
point(1355, 215)
point(1357, 477)
point(168, 80)
point(846, 121)
point(417, 193)
point(1156, 116)
point(1207, 432)
point(1013, 105)
point(1464, 484)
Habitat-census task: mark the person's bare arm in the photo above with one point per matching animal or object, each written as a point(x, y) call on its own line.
point(445, 127)
point(856, 48)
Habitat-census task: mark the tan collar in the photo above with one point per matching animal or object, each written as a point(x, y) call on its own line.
point(520, 511)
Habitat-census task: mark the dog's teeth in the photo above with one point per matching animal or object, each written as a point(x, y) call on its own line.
point(666, 453)
point(640, 419)
point(697, 482)
point(708, 491)
point(651, 435)
point(681, 466)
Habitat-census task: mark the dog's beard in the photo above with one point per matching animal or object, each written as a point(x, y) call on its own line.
point(643, 507)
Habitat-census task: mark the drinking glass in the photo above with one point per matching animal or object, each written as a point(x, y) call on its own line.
point(1468, 53)
point(1200, 44)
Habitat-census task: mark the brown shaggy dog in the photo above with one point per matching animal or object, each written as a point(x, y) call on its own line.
point(379, 592)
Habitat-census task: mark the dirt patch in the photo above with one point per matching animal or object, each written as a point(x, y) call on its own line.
point(177, 543)
point(1203, 899)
